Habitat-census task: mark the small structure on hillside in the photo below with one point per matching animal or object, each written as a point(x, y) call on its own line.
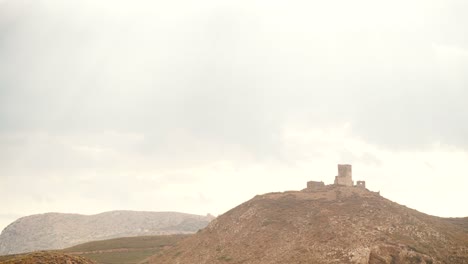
point(344, 178)
point(361, 184)
point(314, 185)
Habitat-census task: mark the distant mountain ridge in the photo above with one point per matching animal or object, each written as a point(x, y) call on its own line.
point(59, 230)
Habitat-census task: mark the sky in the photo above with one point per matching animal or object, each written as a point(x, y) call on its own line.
point(198, 106)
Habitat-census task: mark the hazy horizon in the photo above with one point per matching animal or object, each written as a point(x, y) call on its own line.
point(197, 107)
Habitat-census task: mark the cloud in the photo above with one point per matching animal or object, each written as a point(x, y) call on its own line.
point(219, 74)
point(163, 94)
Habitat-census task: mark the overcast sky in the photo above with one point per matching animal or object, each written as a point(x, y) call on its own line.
point(197, 106)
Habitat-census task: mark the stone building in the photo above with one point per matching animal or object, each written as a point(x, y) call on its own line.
point(315, 185)
point(345, 175)
point(344, 178)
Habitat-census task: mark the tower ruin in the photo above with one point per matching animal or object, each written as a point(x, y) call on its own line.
point(345, 176)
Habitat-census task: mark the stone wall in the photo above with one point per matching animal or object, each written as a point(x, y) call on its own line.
point(314, 185)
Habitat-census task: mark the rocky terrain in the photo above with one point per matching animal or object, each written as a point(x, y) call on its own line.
point(47, 258)
point(56, 230)
point(336, 224)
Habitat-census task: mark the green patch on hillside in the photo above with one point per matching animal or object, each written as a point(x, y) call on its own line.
point(461, 222)
point(121, 257)
point(126, 250)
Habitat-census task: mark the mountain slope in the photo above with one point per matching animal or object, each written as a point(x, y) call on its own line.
point(335, 224)
point(56, 231)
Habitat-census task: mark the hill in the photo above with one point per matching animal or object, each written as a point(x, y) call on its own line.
point(46, 258)
point(57, 231)
point(333, 224)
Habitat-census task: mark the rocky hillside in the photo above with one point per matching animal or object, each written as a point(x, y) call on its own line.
point(56, 231)
point(47, 258)
point(332, 225)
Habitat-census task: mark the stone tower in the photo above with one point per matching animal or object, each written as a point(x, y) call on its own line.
point(345, 176)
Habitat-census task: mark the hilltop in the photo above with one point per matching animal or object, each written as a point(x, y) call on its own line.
point(57, 231)
point(329, 224)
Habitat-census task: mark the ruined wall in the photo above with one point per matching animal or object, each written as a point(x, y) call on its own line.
point(361, 184)
point(344, 175)
point(314, 185)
